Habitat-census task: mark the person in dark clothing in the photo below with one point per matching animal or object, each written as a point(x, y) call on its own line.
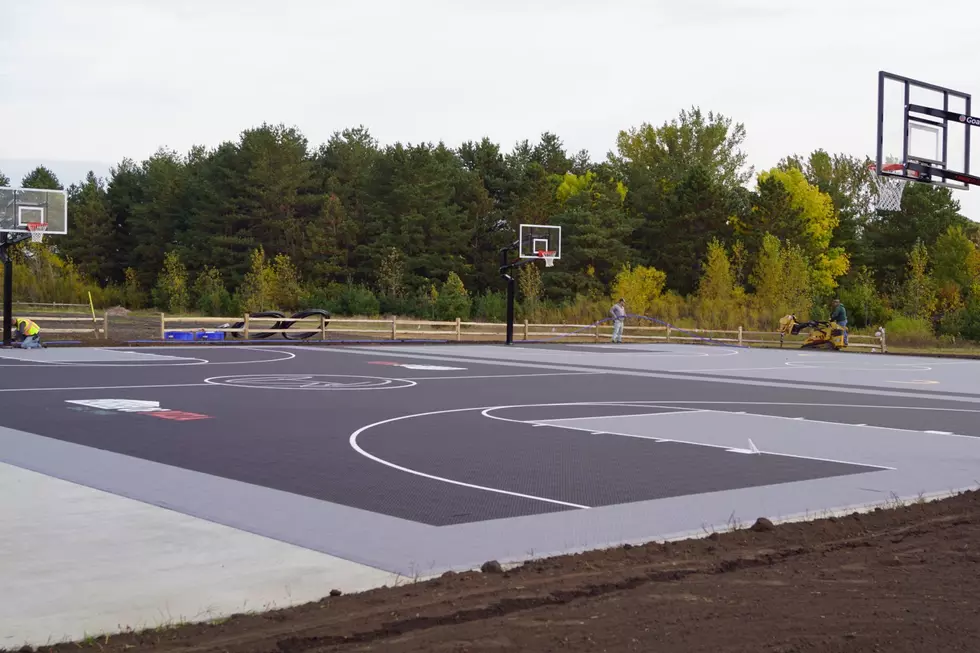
point(839, 315)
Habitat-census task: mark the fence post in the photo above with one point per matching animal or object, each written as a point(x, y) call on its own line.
point(394, 326)
point(246, 325)
point(323, 327)
point(105, 325)
point(740, 334)
point(525, 329)
point(668, 333)
point(884, 349)
point(163, 327)
point(459, 336)
point(597, 333)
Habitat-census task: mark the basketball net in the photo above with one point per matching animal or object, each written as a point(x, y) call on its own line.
point(37, 230)
point(890, 187)
point(548, 256)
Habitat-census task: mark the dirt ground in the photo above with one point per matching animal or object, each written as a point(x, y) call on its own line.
point(894, 580)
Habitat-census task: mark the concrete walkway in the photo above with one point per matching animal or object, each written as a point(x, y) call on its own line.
point(77, 562)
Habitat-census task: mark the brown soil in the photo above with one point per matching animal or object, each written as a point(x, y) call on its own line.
point(893, 580)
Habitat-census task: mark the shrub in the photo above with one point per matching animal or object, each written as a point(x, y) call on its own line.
point(910, 331)
point(358, 300)
point(210, 295)
point(171, 293)
point(284, 285)
point(490, 307)
point(453, 301)
point(255, 293)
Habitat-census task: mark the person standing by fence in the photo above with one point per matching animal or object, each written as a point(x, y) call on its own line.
point(618, 312)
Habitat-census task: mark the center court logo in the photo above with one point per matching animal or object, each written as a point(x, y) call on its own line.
point(310, 382)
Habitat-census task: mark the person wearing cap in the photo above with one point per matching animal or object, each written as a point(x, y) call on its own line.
point(27, 331)
point(839, 315)
point(618, 312)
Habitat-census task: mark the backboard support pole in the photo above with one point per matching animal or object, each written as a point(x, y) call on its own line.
point(8, 289)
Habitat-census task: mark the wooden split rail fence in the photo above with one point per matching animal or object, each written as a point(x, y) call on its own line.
point(394, 328)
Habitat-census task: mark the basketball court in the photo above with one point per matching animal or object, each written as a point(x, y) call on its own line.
point(176, 483)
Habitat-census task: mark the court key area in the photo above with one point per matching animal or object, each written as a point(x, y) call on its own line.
point(191, 481)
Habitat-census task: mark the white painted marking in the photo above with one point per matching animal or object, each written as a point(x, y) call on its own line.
point(939, 432)
point(917, 382)
point(503, 376)
point(354, 445)
point(752, 447)
point(287, 355)
point(435, 368)
point(590, 417)
point(106, 387)
point(122, 405)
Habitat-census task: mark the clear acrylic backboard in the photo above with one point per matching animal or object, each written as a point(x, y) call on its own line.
point(535, 238)
point(21, 208)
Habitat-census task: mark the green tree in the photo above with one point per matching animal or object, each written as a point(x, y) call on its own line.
point(955, 259)
point(90, 241)
point(918, 297)
point(453, 301)
point(134, 297)
point(43, 178)
point(782, 281)
point(927, 213)
point(391, 275)
point(211, 297)
point(4, 180)
point(848, 181)
point(685, 182)
point(788, 207)
point(596, 232)
point(694, 139)
point(171, 293)
point(717, 283)
point(255, 294)
point(530, 288)
point(286, 289)
point(640, 286)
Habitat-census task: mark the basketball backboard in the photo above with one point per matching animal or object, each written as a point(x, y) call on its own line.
point(22, 207)
point(536, 238)
point(924, 132)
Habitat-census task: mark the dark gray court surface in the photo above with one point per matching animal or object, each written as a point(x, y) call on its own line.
point(419, 459)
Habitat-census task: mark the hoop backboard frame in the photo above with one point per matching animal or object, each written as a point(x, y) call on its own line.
point(20, 207)
point(536, 238)
point(926, 130)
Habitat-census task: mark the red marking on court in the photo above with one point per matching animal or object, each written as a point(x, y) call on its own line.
point(178, 415)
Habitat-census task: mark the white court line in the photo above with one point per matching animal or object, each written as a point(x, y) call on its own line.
point(486, 413)
point(287, 355)
point(354, 445)
point(106, 387)
point(572, 419)
point(817, 421)
point(502, 376)
point(485, 410)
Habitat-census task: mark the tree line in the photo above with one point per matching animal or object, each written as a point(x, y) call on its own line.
point(673, 215)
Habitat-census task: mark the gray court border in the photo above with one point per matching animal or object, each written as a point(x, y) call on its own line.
point(412, 549)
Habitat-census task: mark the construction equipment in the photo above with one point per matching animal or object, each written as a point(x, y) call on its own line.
point(823, 334)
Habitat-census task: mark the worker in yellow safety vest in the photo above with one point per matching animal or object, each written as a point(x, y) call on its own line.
point(28, 332)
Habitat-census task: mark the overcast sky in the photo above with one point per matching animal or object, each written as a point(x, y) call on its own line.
point(93, 81)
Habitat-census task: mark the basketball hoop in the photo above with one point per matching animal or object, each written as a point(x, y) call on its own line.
point(37, 230)
point(548, 256)
point(890, 187)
